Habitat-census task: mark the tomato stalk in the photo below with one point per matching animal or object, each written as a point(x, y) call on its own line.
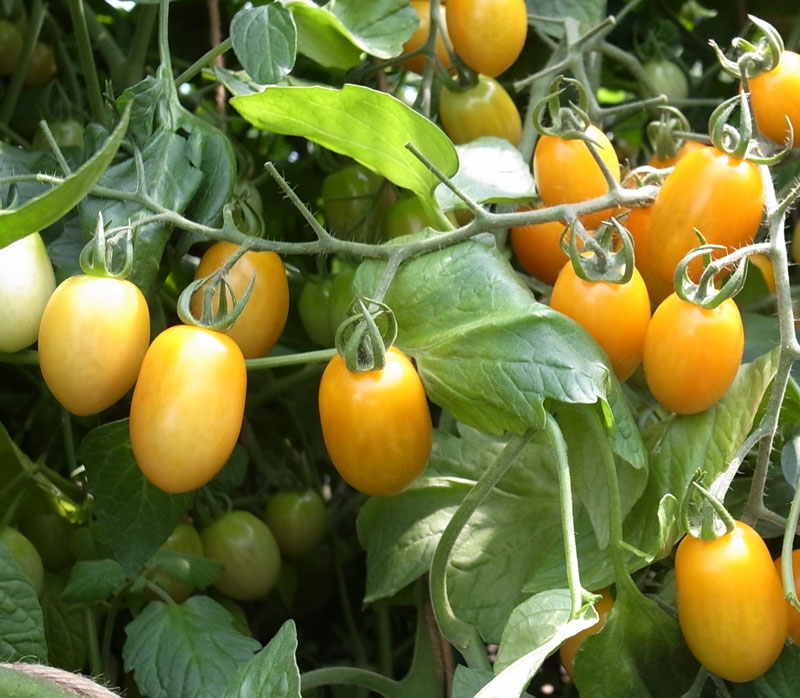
point(34, 26)
point(464, 636)
point(86, 56)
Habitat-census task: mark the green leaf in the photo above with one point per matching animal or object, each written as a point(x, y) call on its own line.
point(485, 349)
point(487, 575)
point(587, 14)
point(273, 671)
point(370, 126)
point(191, 650)
point(46, 209)
point(135, 516)
point(65, 626)
point(467, 682)
point(94, 581)
point(682, 445)
point(535, 630)
point(637, 648)
point(196, 571)
point(22, 636)
point(491, 171)
point(265, 41)
point(781, 679)
point(13, 466)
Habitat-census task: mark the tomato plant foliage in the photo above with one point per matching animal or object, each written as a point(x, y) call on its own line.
point(527, 466)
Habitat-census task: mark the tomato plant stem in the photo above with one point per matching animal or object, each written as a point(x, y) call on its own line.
point(303, 357)
point(95, 659)
point(787, 561)
point(86, 56)
point(203, 61)
point(352, 676)
point(33, 27)
point(464, 636)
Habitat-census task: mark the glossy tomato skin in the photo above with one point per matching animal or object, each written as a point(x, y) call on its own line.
point(638, 224)
point(773, 96)
point(687, 147)
point(42, 67)
point(571, 645)
point(26, 284)
point(376, 424)
point(488, 35)
point(406, 216)
point(537, 246)
point(566, 172)
point(792, 613)
point(68, 133)
point(709, 191)
point(667, 78)
point(262, 321)
point(323, 305)
point(420, 36)
point(485, 109)
point(691, 354)
point(26, 555)
point(10, 46)
point(244, 544)
point(185, 540)
point(297, 520)
point(187, 407)
point(355, 201)
point(92, 340)
point(730, 603)
point(616, 315)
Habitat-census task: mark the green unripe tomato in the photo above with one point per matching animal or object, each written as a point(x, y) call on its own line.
point(10, 46)
point(355, 200)
point(42, 67)
point(245, 545)
point(667, 78)
point(297, 520)
point(26, 555)
point(50, 535)
point(185, 540)
point(407, 216)
point(323, 305)
point(68, 133)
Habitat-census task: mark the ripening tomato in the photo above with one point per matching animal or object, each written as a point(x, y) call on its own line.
point(485, 109)
point(566, 172)
point(297, 520)
point(691, 354)
point(260, 325)
point(571, 645)
point(538, 249)
point(730, 603)
point(187, 407)
point(488, 35)
point(26, 284)
point(185, 540)
point(245, 545)
point(683, 151)
point(764, 265)
point(616, 315)
point(709, 191)
point(26, 555)
point(773, 96)
point(420, 36)
point(407, 215)
point(42, 67)
point(92, 339)
point(376, 424)
point(792, 612)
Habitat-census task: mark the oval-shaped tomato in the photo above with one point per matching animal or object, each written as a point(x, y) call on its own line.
point(730, 603)
point(566, 172)
point(50, 533)
point(323, 305)
point(406, 216)
point(666, 78)
point(26, 284)
point(26, 555)
point(10, 46)
point(538, 249)
point(485, 109)
point(245, 545)
point(773, 96)
point(420, 36)
point(792, 613)
point(616, 315)
point(764, 265)
point(376, 424)
point(488, 35)
point(260, 325)
point(687, 147)
point(42, 67)
point(708, 191)
point(691, 354)
point(355, 201)
point(92, 339)
point(571, 645)
point(187, 407)
point(638, 224)
point(68, 133)
point(297, 520)
point(185, 540)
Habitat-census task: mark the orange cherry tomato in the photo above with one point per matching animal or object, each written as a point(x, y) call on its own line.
point(691, 354)
point(566, 172)
point(260, 325)
point(773, 96)
point(538, 249)
point(683, 151)
point(792, 612)
point(417, 63)
point(730, 603)
point(616, 315)
point(638, 224)
point(187, 407)
point(571, 645)
point(376, 424)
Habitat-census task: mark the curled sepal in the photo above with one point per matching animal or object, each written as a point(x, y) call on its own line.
point(753, 58)
point(97, 256)
point(733, 139)
point(217, 295)
point(365, 335)
point(663, 134)
point(703, 515)
point(605, 256)
point(565, 121)
point(704, 293)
